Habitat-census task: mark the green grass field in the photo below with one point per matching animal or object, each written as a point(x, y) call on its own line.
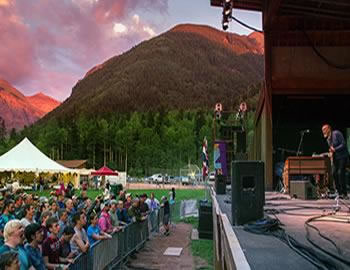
point(181, 194)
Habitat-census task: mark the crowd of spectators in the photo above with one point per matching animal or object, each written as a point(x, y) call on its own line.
point(48, 233)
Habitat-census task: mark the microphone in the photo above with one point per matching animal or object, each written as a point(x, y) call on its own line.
point(305, 131)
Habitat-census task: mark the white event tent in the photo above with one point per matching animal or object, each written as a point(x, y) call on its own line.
point(25, 157)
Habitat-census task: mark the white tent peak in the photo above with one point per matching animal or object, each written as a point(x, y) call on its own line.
point(26, 157)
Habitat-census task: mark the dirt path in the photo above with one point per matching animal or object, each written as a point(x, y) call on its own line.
point(151, 256)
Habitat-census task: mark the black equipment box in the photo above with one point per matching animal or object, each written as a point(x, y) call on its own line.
point(220, 184)
point(302, 189)
point(205, 225)
point(248, 191)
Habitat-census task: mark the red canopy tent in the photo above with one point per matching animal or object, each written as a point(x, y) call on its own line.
point(104, 171)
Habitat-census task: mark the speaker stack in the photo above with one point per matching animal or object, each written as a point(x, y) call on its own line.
point(220, 184)
point(248, 191)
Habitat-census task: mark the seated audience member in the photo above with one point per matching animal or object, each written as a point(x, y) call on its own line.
point(28, 218)
point(122, 214)
point(51, 247)
point(94, 233)
point(9, 261)
point(14, 238)
point(34, 236)
point(65, 249)
point(79, 242)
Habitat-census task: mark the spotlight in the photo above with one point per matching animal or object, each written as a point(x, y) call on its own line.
point(226, 13)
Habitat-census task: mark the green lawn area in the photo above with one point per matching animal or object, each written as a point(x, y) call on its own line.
point(202, 248)
point(181, 194)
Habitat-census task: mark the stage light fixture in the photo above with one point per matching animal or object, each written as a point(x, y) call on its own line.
point(226, 13)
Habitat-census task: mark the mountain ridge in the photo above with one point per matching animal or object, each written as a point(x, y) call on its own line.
point(18, 110)
point(173, 70)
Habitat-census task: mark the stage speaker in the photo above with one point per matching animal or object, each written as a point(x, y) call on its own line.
point(302, 190)
point(205, 224)
point(248, 191)
point(220, 184)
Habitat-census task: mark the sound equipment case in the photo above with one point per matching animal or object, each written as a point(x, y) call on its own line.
point(248, 191)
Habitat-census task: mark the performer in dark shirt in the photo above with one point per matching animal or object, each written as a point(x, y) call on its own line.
point(339, 155)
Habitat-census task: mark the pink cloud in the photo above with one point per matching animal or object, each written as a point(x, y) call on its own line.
point(48, 45)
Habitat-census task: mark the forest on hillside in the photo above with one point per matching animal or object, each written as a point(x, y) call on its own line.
point(144, 142)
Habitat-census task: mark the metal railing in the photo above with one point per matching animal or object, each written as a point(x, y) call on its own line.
point(109, 254)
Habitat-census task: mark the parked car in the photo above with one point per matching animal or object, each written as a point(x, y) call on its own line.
point(185, 180)
point(156, 178)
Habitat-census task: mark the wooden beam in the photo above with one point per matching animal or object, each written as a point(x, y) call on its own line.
point(309, 85)
point(271, 12)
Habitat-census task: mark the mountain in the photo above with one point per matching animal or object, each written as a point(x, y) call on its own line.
point(43, 103)
point(187, 67)
point(18, 110)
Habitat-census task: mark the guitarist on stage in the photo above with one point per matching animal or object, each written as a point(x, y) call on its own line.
point(339, 156)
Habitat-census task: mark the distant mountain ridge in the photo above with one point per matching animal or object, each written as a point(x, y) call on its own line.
point(188, 67)
point(18, 110)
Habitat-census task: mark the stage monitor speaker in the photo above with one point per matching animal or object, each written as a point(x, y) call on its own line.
point(220, 184)
point(302, 190)
point(248, 191)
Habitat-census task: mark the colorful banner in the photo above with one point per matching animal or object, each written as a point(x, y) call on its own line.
point(220, 164)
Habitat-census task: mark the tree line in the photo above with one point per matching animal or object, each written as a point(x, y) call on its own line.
point(142, 143)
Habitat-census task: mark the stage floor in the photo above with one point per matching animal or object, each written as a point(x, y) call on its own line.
point(270, 253)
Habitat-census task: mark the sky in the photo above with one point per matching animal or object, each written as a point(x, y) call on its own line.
point(48, 45)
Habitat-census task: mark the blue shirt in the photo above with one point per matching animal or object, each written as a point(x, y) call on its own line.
point(337, 141)
point(93, 230)
point(22, 255)
point(35, 257)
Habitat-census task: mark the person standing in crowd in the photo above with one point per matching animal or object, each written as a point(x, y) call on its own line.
point(144, 209)
point(9, 261)
point(79, 242)
point(128, 202)
point(122, 214)
point(62, 222)
point(43, 219)
point(113, 213)
point(134, 211)
point(65, 249)
point(34, 236)
point(14, 238)
point(18, 212)
point(166, 208)
point(51, 247)
point(94, 233)
point(339, 155)
point(7, 213)
point(104, 221)
point(54, 208)
point(28, 215)
point(122, 196)
point(153, 205)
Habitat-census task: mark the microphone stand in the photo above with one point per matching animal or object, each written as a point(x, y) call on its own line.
point(300, 143)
